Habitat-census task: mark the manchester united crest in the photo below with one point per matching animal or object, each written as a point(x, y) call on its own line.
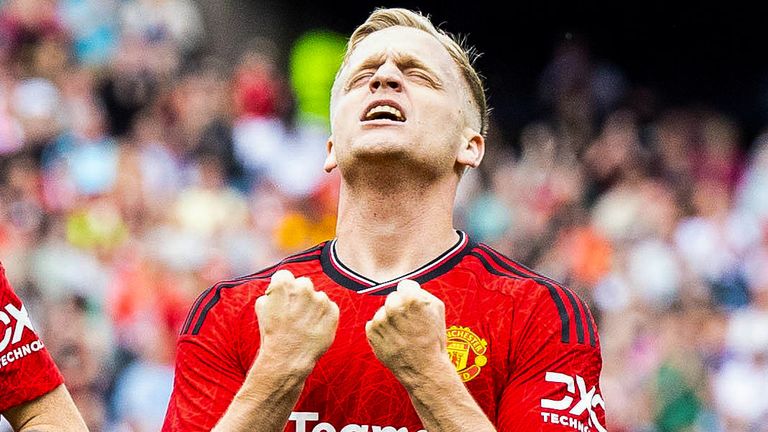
point(467, 351)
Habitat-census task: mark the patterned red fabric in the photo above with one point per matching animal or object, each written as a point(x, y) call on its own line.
point(27, 370)
point(526, 347)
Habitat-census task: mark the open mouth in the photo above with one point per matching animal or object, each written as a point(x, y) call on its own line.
point(383, 110)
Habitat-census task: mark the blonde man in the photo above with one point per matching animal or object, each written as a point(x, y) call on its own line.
point(401, 323)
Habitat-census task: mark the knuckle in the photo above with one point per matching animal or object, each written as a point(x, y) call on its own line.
point(260, 304)
point(283, 274)
point(304, 282)
point(394, 301)
point(410, 299)
point(282, 277)
point(380, 315)
point(305, 287)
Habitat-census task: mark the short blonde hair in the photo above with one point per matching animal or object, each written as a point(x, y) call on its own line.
point(464, 57)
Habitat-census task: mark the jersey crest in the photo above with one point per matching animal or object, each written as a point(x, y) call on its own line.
point(467, 351)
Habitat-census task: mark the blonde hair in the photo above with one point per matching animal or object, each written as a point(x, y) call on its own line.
point(464, 57)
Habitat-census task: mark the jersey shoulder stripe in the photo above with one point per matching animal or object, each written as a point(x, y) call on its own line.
point(514, 272)
point(212, 295)
point(573, 313)
point(590, 324)
point(490, 268)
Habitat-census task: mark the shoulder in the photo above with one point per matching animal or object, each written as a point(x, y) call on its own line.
point(535, 297)
point(508, 277)
point(7, 295)
point(4, 284)
point(226, 299)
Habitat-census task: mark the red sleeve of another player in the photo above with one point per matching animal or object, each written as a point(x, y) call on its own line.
point(27, 370)
point(209, 368)
point(555, 380)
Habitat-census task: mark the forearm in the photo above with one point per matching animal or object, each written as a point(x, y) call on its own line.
point(54, 411)
point(444, 404)
point(267, 397)
point(297, 325)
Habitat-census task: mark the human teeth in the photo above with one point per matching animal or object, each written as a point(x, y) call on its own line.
point(384, 109)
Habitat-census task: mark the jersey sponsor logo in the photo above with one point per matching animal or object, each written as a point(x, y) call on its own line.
point(467, 351)
point(20, 352)
point(15, 321)
point(301, 421)
point(569, 411)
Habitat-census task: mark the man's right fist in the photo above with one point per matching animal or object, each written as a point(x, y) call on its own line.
point(296, 323)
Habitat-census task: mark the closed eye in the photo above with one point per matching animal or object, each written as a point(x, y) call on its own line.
point(421, 77)
point(359, 79)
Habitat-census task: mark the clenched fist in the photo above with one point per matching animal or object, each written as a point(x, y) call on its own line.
point(297, 324)
point(407, 334)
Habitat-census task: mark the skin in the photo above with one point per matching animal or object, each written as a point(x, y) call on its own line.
point(403, 177)
point(54, 411)
point(291, 310)
point(418, 161)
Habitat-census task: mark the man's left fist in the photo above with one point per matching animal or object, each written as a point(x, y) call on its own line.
point(408, 333)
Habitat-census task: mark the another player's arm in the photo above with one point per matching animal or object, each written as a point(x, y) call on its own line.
point(297, 325)
point(408, 336)
point(53, 411)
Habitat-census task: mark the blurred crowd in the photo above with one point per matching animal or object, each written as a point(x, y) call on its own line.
point(136, 171)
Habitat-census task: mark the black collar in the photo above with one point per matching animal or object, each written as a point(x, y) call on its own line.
point(348, 278)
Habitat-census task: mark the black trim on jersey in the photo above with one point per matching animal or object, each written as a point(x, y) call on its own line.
point(330, 270)
point(437, 271)
point(577, 315)
point(491, 269)
point(217, 296)
point(565, 335)
point(193, 311)
point(332, 251)
point(307, 255)
point(204, 294)
point(590, 321)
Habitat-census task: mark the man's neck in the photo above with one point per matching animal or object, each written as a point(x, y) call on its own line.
point(383, 233)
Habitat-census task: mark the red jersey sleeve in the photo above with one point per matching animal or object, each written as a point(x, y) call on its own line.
point(27, 370)
point(210, 367)
point(554, 384)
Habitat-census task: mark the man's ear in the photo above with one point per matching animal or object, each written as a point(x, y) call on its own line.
point(472, 148)
point(330, 158)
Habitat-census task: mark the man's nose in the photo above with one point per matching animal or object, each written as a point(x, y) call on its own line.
point(386, 77)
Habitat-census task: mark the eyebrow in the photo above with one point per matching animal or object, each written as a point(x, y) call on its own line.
point(403, 61)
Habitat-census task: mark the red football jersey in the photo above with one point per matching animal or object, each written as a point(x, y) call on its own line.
point(526, 348)
point(26, 369)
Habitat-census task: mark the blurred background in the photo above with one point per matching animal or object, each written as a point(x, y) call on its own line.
point(149, 148)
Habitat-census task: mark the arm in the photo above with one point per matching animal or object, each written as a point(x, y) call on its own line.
point(32, 393)
point(408, 336)
point(555, 380)
point(267, 397)
point(444, 404)
point(54, 411)
point(296, 325)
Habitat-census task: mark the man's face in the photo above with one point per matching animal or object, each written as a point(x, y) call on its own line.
point(400, 98)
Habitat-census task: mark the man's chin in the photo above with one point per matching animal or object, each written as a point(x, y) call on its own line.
point(388, 163)
point(371, 153)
